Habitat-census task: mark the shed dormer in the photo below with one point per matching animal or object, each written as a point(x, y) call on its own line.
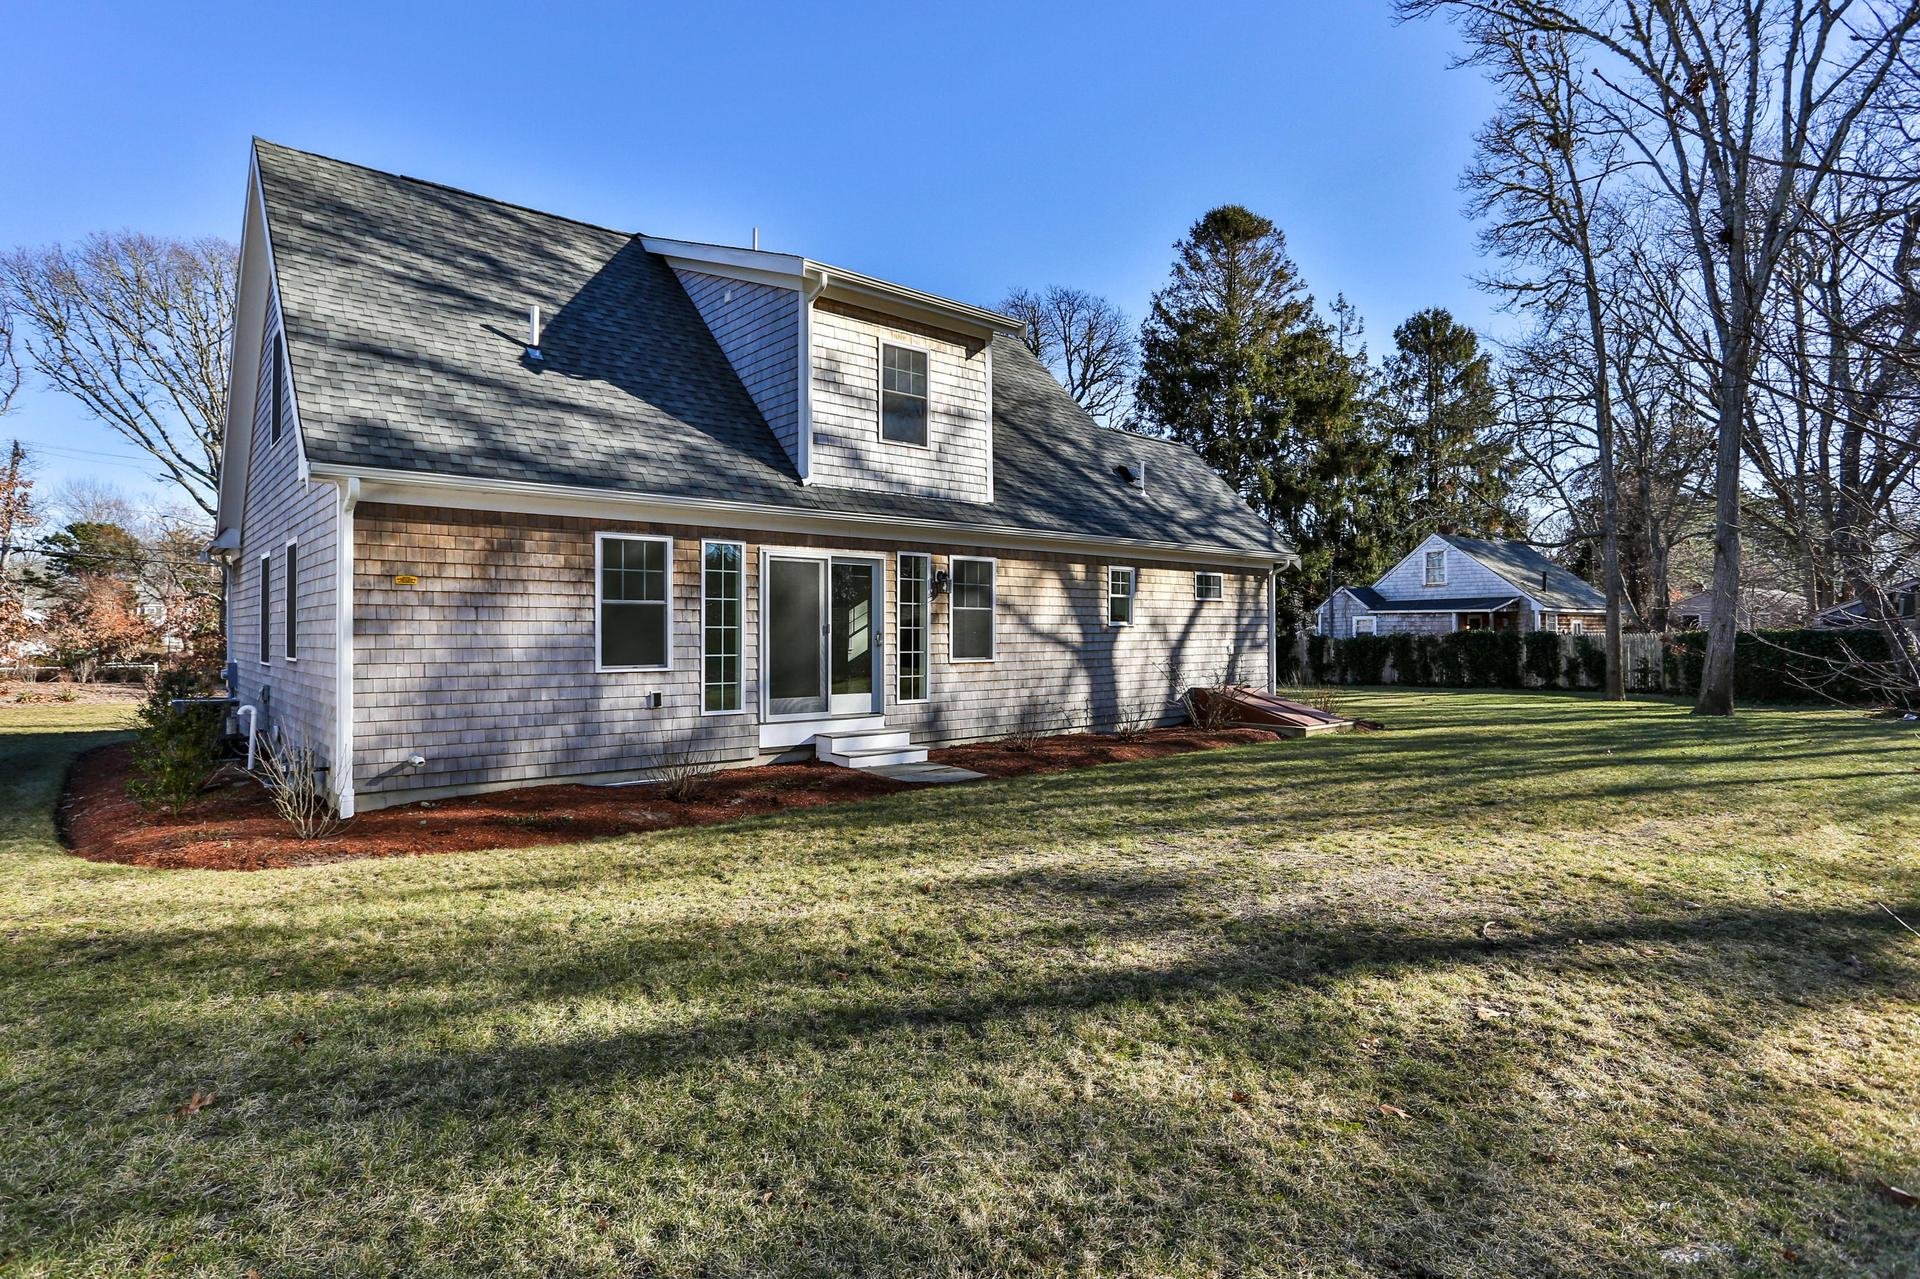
point(866, 384)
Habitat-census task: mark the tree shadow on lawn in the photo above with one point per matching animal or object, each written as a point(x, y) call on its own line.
point(922, 1062)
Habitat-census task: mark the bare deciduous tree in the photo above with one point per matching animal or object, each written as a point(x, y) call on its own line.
point(1088, 344)
point(137, 329)
point(9, 358)
point(1738, 113)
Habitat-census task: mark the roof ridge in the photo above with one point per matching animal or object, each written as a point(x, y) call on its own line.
point(259, 141)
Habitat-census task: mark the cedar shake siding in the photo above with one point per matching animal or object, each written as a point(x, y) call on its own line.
point(848, 451)
point(487, 666)
point(295, 696)
point(758, 328)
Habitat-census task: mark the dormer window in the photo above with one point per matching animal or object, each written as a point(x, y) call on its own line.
point(1436, 568)
point(903, 395)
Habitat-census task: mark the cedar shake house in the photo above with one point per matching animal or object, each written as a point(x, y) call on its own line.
point(508, 498)
point(1453, 583)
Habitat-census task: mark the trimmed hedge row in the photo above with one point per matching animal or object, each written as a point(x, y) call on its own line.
point(1770, 666)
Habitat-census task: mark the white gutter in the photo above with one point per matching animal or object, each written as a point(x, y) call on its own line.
point(530, 497)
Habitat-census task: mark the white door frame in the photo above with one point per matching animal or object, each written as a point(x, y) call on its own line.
point(826, 556)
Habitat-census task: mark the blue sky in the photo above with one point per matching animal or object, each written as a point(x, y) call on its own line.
point(958, 148)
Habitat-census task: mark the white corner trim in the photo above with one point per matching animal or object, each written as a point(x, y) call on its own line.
point(343, 648)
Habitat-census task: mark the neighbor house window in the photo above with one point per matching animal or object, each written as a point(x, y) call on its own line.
point(722, 596)
point(266, 609)
point(279, 397)
point(1363, 626)
point(1208, 586)
point(293, 603)
point(916, 572)
point(903, 394)
point(634, 615)
point(1579, 627)
point(972, 610)
point(1436, 568)
point(1119, 597)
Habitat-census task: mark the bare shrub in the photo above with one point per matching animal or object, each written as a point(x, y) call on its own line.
point(1322, 697)
point(1133, 717)
point(683, 775)
point(294, 774)
point(1037, 722)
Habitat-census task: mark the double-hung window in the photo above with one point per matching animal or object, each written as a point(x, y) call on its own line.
point(1120, 585)
point(722, 596)
point(972, 610)
point(1208, 586)
point(634, 614)
point(916, 575)
point(903, 394)
point(292, 621)
point(1363, 626)
point(1436, 568)
point(266, 609)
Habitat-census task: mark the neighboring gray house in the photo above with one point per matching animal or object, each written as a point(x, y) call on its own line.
point(1453, 583)
point(1760, 608)
point(714, 503)
point(1853, 613)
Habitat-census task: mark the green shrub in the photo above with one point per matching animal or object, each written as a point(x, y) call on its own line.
point(1543, 660)
point(1786, 666)
point(1319, 658)
point(177, 747)
point(1363, 659)
point(1410, 660)
point(1591, 657)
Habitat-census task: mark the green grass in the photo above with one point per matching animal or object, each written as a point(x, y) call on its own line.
point(1622, 970)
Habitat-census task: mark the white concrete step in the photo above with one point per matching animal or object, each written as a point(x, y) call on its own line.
point(873, 757)
point(862, 738)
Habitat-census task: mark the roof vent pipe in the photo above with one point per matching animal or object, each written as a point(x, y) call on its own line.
point(533, 331)
point(756, 239)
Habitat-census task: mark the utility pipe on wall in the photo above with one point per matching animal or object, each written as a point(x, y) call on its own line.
point(253, 726)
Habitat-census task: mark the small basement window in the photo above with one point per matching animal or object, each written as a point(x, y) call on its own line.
point(634, 577)
point(903, 394)
point(1208, 586)
point(1436, 568)
point(1363, 626)
point(1120, 587)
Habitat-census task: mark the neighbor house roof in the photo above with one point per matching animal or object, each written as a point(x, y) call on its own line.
point(1446, 604)
point(1549, 584)
point(404, 306)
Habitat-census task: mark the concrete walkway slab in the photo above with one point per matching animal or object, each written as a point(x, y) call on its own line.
point(926, 774)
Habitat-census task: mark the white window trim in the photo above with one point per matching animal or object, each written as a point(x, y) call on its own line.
point(1220, 581)
point(1576, 627)
point(926, 625)
point(600, 540)
point(993, 609)
point(1425, 579)
point(263, 609)
point(289, 606)
point(742, 708)
point(880, 393)
point(1132, 596)
point(1373, 626)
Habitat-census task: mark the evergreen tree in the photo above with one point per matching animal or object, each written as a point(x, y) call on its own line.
point(1450, 459)
point(1236, 364)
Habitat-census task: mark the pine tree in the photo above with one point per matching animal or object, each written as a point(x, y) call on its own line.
point(1451, 462)
point(1236, 364)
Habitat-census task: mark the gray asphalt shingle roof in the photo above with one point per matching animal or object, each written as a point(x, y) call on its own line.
point(405, 306)
point(1526, 568)
point(1446, 604)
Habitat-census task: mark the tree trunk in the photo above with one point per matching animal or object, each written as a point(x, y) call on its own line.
point(1716, 677)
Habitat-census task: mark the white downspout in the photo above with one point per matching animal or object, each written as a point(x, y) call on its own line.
point(343, 649)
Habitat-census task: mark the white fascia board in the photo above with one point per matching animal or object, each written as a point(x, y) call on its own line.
point(243, 355)
point(529, 498)
point(788, 270)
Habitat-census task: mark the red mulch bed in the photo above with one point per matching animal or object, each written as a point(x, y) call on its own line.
point(1083, 750)
point(233, 826)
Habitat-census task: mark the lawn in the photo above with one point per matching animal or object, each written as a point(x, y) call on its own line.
point(1527, 985)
